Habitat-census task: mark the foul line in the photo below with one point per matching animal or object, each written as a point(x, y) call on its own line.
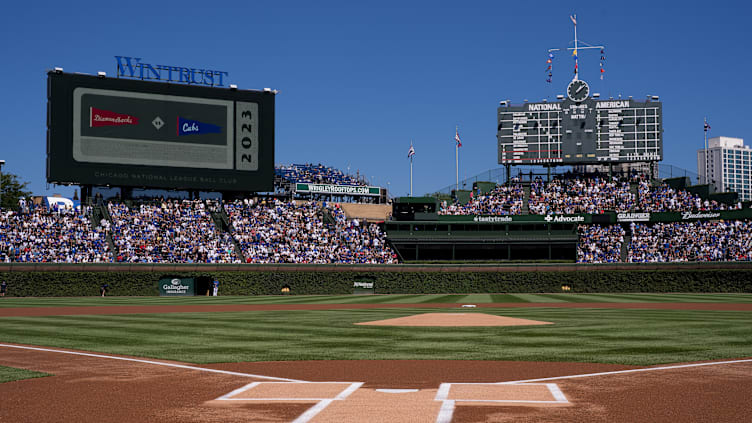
point(158, 363)
point(648, 369)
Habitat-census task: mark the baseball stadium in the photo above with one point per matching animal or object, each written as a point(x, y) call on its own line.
point(196, 280)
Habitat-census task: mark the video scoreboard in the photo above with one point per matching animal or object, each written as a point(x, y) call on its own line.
point(118, 132)
point(580, 130)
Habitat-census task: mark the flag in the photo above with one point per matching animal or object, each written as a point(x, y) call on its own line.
point(548, 61)
point(457, 138)
point(573, 18)
point(707, 127)
point(410, 152)
point(574, 53)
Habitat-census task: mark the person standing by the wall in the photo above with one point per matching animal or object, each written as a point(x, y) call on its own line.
point(3, 288)
point(103, 289)
point(215, 288)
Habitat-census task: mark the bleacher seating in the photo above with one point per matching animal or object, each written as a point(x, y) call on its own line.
point(315, 173)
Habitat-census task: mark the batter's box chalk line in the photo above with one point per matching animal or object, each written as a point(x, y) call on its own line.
point(321, 403)
point(265, 392)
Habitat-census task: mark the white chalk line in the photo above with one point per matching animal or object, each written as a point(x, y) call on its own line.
point(448, 405)
point(316, 409)
point(321, 403)
point(617, 372)
point(157, 363)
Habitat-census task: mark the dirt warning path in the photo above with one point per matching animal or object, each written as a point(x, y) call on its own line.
point(100, 388)
point(213, 308)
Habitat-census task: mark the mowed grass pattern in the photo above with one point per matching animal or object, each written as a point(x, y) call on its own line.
point(633, 337)
point(376, 299)
point(10, 374)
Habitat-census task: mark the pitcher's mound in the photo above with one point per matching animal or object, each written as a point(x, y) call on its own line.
point(454, 319)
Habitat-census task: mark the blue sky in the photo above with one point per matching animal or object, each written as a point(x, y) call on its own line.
point(359, 80)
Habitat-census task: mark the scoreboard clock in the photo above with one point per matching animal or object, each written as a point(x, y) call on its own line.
point(578, 90)
point(580, 129)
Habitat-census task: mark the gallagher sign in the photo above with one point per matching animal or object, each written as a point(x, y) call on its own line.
point(176, 287)
point(132, 67)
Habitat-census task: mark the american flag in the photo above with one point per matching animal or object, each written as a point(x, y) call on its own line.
point(457, 138)
point(410, 152)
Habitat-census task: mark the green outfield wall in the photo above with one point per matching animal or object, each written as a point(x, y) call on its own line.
point(144, 279)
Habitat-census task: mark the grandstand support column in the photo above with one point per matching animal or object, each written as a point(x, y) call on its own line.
point(624, 253)
point(653, 176)
point(509, 173)
point(86, 191)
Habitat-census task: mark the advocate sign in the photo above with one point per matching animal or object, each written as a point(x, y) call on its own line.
point(337, 189)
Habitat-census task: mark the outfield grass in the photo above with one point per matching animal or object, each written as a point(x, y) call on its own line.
point(634, 337)
point(9, 374)
point(375, 299)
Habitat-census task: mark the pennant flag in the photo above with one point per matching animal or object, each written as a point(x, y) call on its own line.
point(707, 127)
point(574, 53)
point(194, 127)
point(550, 55)
point(410, 152)
point(573, 18)
point(548, 61)
point(100, 117)
point(457, 138)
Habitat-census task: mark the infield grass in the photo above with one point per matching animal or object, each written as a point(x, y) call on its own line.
point(9, 374)
point(632, 337)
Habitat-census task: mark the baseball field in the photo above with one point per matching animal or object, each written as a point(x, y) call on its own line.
point(380, 358)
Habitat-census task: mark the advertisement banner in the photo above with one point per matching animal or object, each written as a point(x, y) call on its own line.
point(176, 287)
point(307, 188)
point(633, 217)
point(532, 218)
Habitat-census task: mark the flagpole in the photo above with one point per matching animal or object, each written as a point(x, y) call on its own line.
point(576, 61)
point(457, 160)
point(706, 151)
point(411, 167)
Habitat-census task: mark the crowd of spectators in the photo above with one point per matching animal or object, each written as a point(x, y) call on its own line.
point(691, 241)
point(502, 200)
point(663, 198)
point(599, 244)
point(273, 231)
point(589, 195)
point(47, 235)
point(316, 174)
point(174, 231)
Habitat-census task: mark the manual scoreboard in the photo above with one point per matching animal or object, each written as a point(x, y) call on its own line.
point(580, 130)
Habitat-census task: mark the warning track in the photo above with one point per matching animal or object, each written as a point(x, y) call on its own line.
point(101, 310)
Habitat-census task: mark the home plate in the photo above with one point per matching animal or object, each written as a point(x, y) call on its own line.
point(455, 319)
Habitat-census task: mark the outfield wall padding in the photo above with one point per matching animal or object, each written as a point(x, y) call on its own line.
point(142, 280)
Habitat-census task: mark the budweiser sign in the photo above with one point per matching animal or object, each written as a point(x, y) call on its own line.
point(99, 117)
